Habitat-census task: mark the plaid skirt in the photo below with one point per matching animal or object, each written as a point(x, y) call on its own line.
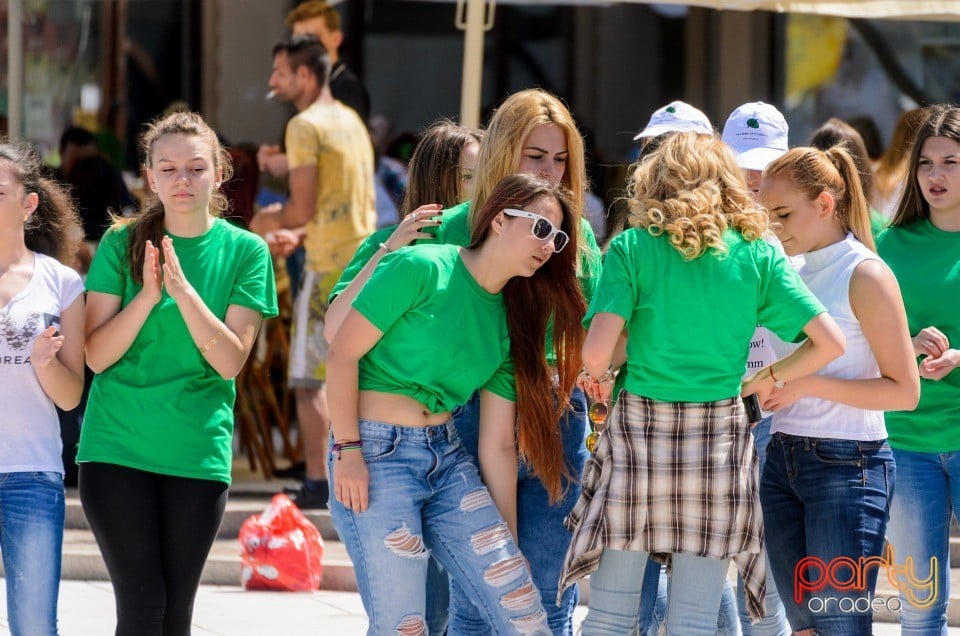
point(672, 477)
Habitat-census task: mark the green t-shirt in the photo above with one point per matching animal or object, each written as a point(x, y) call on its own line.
point(161, 407)
point(690, 322)
point(926, 262)
point(456, 231)
point(878, 223)
point(443, 334)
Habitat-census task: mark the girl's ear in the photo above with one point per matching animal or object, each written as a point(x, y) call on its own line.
point(30, 202)
point(150, 183)
point(826, 203)
point(496, 225)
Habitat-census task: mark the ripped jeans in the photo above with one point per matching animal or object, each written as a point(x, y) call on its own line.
point(426, 497)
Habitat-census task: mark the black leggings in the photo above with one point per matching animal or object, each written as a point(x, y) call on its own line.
point(155, 532)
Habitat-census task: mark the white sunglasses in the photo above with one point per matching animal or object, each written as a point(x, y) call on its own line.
point(542, 228)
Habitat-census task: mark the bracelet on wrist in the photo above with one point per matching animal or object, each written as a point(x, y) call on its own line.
point(340, 446)
point(606, 378)
point(385, 247)
point(777, 383)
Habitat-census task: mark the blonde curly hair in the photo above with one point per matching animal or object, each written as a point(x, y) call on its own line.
point(692, 190)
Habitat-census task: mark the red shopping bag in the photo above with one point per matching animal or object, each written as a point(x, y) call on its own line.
point(281, 549)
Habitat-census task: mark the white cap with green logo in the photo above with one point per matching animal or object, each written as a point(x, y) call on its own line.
point(676, 116)
point(757, 133)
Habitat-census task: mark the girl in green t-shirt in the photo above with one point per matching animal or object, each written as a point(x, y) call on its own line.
point(675, 472)
point(432, 325)
point(922, 247)
point(176, 296)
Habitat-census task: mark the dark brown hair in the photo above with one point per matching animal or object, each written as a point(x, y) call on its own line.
point(148, 225)
point(53, 228)
point(307, 50)
point(940, 120)
point(836, 132)
point(434, 171)
point(553, 292)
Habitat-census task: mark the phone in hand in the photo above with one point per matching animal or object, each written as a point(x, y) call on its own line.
point(751, 404)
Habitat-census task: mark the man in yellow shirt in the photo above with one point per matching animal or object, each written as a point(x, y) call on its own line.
point(331, 206)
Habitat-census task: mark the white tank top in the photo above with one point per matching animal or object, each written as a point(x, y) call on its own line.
point(827, 273)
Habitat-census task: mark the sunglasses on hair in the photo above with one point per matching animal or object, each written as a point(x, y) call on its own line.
point(542, 228)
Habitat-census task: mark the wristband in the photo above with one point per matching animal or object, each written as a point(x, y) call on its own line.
point(384, 247)
point(339, 447)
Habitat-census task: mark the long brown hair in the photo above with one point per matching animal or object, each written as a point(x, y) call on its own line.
point(434, 170)
point(531, 302)
point(53, 228)
point(148, 224)
point(941, 121)
point(813, 171)
point(892, 165)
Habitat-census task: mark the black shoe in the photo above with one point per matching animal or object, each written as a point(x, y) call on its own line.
point(296, 471)
point(309, 498)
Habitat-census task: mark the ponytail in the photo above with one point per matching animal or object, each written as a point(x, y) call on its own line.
point(853, 210)
point(53, 228)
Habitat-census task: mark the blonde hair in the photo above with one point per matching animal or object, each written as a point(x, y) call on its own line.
point(502, 145)
point(692, 190)
point(834, 171)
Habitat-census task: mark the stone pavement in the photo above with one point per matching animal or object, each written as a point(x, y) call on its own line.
point(86, 609)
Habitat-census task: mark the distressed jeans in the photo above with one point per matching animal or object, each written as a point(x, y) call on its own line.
point(426, 498)
point(31, 537)
point(541, 534)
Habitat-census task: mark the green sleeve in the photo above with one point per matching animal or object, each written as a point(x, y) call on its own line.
point(785, 304)
point(503, 382)
point(617, 291)
point(590, 263)
point(360, 258)
point(395, 286)
point(109, 266)
point(255, 284)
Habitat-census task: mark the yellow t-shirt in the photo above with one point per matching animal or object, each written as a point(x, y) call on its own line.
point(332, 137)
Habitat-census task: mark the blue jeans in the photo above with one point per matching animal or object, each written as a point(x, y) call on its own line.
point(31, 538)
point(541, 535)
point(775, 621)
point(928, 497)
point(654, 599)
point(825, 500)
point(696, 586)
point(426, 497)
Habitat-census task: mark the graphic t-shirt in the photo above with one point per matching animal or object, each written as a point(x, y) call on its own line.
point(926, 262)
point(29, 428)
point(411, 292)
point(690, 322)
point(333, 139)
point(161, 407)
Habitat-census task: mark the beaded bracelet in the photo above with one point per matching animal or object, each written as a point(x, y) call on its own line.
point(607, 376)
point(212, 342)
point(351, 444)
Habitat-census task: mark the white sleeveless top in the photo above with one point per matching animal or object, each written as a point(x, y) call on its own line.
point(827, 273)
point(29, 427)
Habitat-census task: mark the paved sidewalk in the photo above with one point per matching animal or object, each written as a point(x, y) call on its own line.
point(87, 609)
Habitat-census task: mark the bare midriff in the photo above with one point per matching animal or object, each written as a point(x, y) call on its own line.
point(400, 410)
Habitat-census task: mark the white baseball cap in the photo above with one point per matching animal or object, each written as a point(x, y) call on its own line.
point(676, 116)
point(757, 134)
